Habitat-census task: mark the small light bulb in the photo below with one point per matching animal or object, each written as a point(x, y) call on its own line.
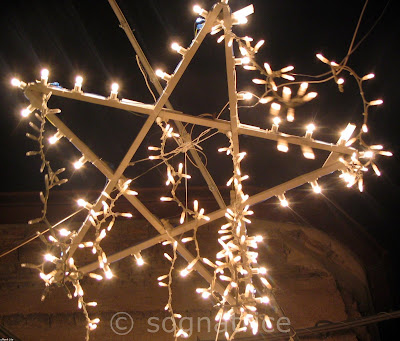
point(311, 127)
point(282, 146)
point(262, 271)
point(376, 102)
point(275, 125)
point(114, 91)
point(377, 147)
point(78, 164)
point(259, 239)
point(78, 83)
point(367, 77)
point(15, 82)
point(114, 87)
point(283, 200)
point(264, 100)
point(287, 69)
point(25, 112)
point(302, 89)
point(247, 95)
point(79, 80)
point(275, 108)
point(198, 10)
point(49, 257)
point(290, 115)
point(316, 188)
point(139, 259)
point(368, 154)
point(310, 130)
point(44, 76)
point(322, 58)
point(163, 75)
point(82, 203)
point(57, 136)
point(286, 93)
point(310, 96)
point(176, 47)
point(109, 274)
point(308, 152)
point(346, 134)
point(53, 140)
point(276, 120)
point(259, 81)
point(64, 232)
point(242, 61)
point(244, 96)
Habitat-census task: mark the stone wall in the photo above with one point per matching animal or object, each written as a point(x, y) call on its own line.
point(315, 279)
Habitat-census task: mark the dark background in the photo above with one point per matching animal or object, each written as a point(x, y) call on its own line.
point(83, 37)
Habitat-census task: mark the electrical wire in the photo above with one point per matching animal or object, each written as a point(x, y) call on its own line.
point(145, 77)
point(39, 234)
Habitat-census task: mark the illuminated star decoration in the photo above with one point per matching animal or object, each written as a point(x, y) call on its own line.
point(237, 284)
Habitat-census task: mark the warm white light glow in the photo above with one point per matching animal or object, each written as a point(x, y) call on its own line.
point(286, 93)
point(259, 81)
point(44, 74)
point(176, 47)
point(346, 134)
point(376, 102)
point(308, 152)
point(276, 120)
point(242, 61)
point(287, 69)
point(25, 112)
point(302, 89)
point(79, 81)
point(114, 87)
point(310, 96)
point(139, 259)
point(163, 75)
point(283, 200)
point(53, 139)
point(322, 58)
point(64, 232)
point(244, 12)
point(290, 115)
point(275, 125)
point(369, 154)
point(49, 257)
point(82, 202)
point(310, 127)
point(15, 82)
point(275, 108)
point(282, 146)
point(316, 188)
point(244, 96)
point(109, 274)
point(367, 77)
point(265, 100)
point(78, 164)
